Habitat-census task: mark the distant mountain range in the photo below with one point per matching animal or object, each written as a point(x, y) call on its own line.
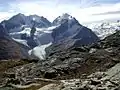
point(104, 29)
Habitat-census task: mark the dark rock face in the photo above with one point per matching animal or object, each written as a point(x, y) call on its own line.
point(14, 22)
point(30, 40)
point(71, 29)
point(67, 28)
point(3, 32)
point(85, 36)
point(10, 49)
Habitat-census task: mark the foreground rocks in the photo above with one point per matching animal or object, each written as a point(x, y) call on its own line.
point(63, 68)
point(95, 81)
point(92, 83)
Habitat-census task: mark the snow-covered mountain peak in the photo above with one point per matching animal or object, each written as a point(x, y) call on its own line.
point(63, 18)
point(66, 16)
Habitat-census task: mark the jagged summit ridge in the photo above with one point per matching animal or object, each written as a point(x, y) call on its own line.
point(17, 21)
point(63, 18)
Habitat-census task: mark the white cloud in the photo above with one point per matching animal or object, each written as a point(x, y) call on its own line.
point(5, 15)
point(53, 9)
point(87, 14)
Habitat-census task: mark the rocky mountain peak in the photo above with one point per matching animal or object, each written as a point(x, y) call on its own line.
point(20, 14)
point(63, 18)
point(66, 16)
point(18, 17)
point(40, 20)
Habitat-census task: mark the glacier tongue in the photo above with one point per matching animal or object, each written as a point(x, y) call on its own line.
point(39, 51)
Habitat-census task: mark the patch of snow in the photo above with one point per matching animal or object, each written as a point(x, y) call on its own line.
point(24, 42)
point(26, 30)
point(53, 27)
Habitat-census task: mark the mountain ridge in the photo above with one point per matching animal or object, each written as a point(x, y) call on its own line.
point(67, 31)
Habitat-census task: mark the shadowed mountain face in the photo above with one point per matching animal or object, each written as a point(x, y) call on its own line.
point(70, 34)
point(9, 49)
point(71, 29)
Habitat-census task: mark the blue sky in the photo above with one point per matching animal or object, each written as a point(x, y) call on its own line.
point(83, 10)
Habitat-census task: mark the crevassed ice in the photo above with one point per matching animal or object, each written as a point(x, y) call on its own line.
point(39, 51)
